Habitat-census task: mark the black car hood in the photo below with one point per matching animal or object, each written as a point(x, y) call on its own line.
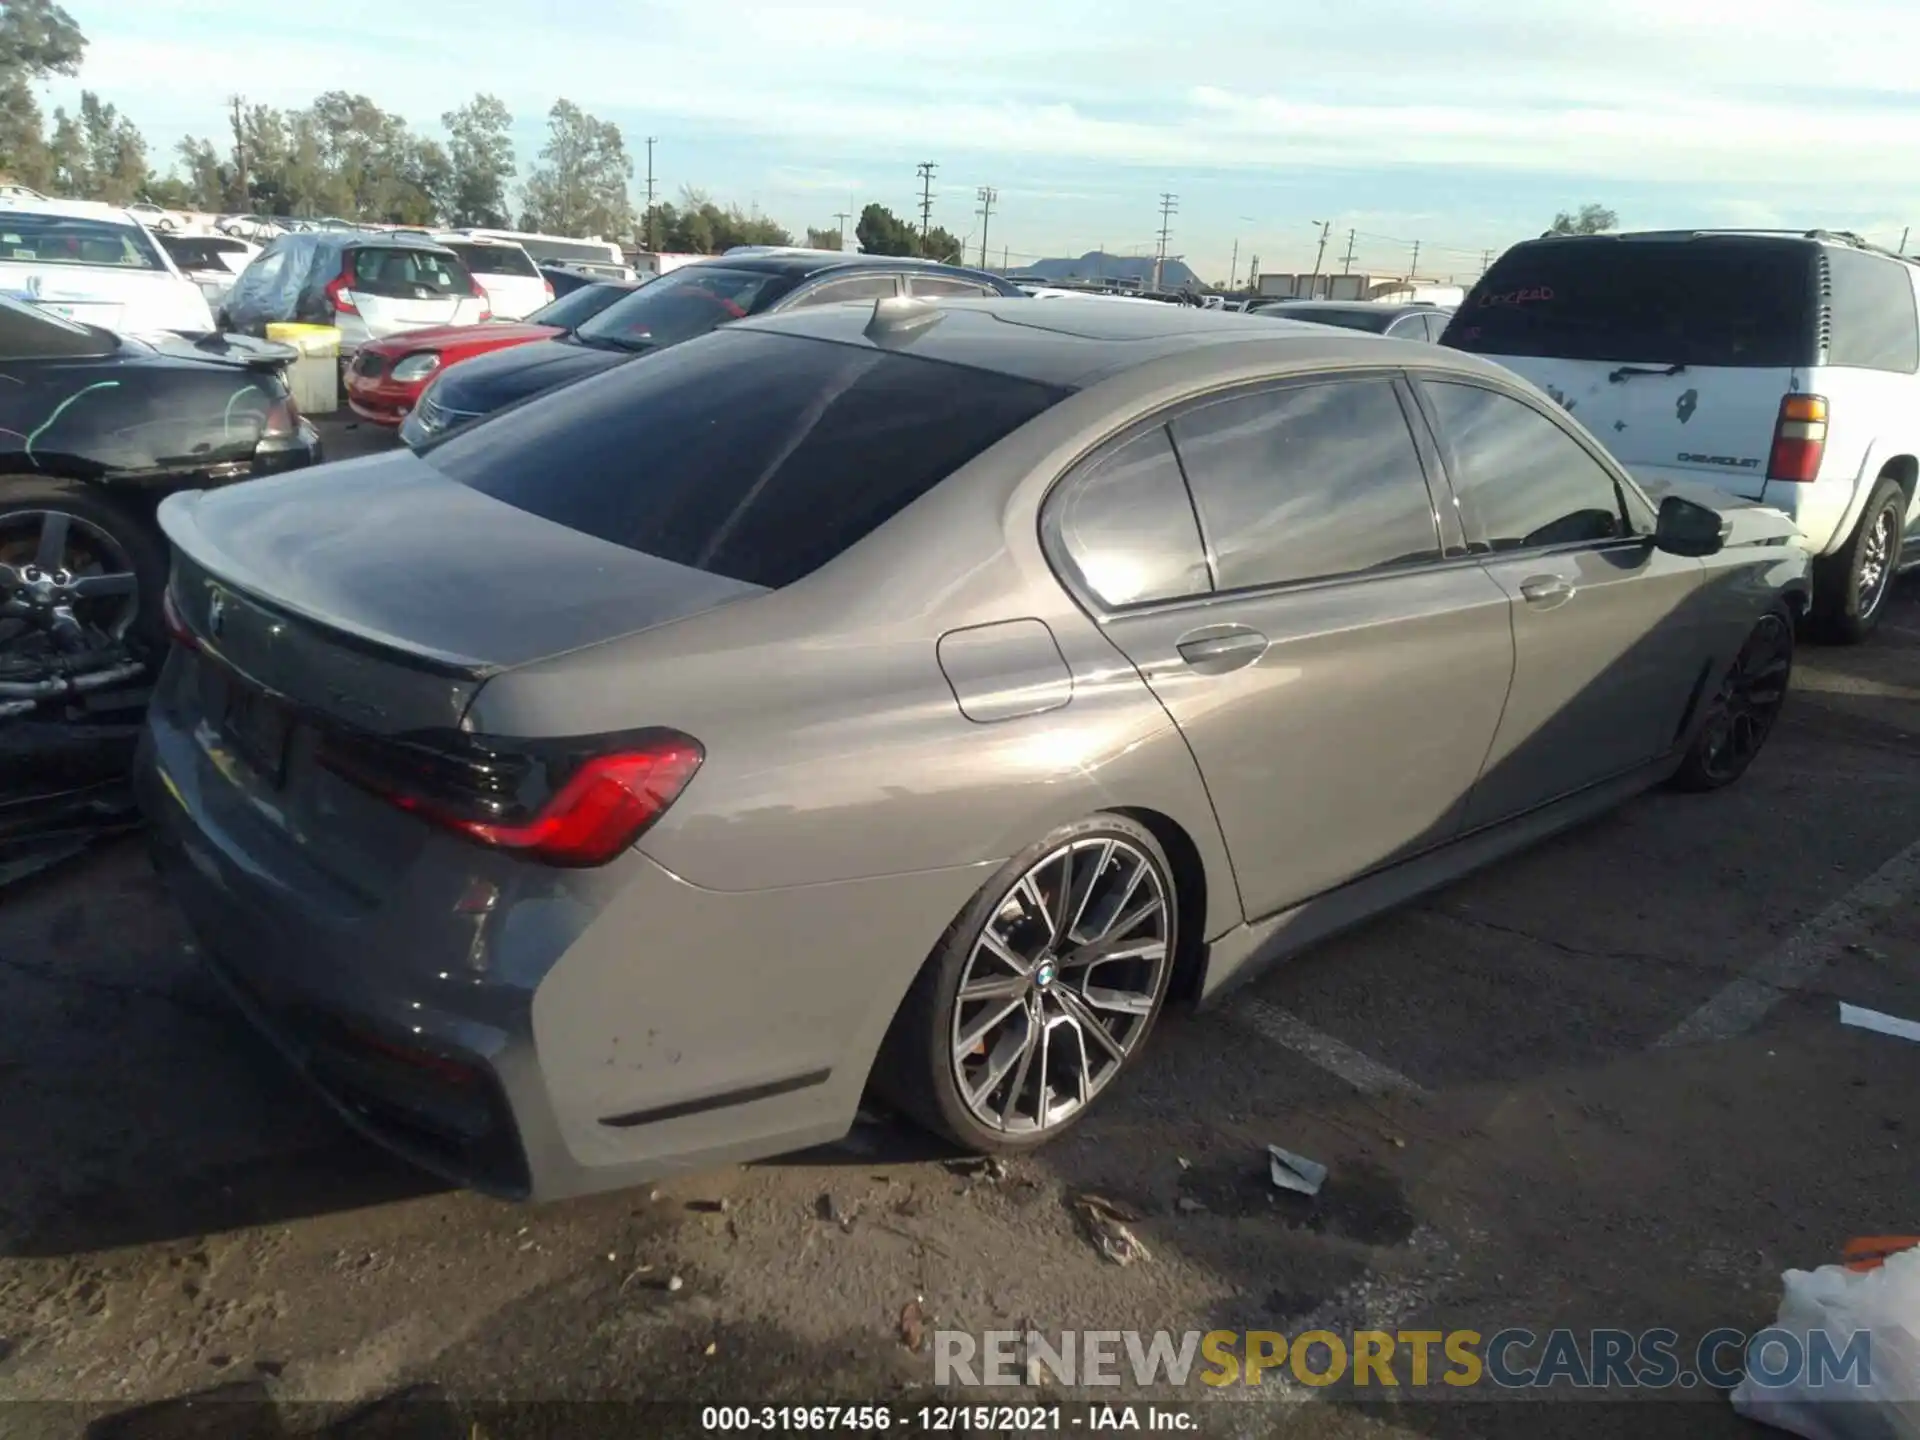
point(488, 382)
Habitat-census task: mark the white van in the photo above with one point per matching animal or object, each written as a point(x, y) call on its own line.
point(1779, 366)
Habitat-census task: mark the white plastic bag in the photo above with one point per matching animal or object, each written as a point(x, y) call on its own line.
point(1838, 1303)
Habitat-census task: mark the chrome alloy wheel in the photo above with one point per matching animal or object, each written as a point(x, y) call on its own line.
point(1061, 983)
point(1876, 559)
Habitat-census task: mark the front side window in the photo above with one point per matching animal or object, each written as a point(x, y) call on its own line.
point(760, 457)
point(1308, 482)
point(1127, 525)
point(1522, 480)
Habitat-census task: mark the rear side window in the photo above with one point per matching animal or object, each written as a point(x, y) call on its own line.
point(931, 285)
point(861, 287)
point(1873, 317)
point(496, 260)
point(684, 303)
point(1308, 482)
point(1522, 480)
point(759, 457)
point(408, 274)
point(1127, 525)
point(1721, 302)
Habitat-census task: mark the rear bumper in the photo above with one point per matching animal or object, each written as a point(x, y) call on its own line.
point(595, 1029)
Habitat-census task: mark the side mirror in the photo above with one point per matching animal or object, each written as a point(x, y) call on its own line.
point(1687, 528)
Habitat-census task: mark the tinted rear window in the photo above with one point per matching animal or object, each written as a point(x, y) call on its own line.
point(1374, 320)
point(399, 274)
point(578, 305)
point(496, 260)
point(1662, 302)
point(760, 457)
point(684, 303)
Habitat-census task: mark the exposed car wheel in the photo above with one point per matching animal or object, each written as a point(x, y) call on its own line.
point(1041, 992)
point(1850, 586)
point(1741, 714)
point(85, 565)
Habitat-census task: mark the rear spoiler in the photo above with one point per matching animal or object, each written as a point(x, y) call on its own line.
point(244, 350)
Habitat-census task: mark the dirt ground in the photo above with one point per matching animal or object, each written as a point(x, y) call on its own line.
point(1543, 1098)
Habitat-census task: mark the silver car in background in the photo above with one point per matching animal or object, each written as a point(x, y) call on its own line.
point(909, 696)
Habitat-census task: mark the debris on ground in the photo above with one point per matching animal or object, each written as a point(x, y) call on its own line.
point(1106, 1225)
point(829, 1210)
point(713, 1348)
point(1878, 1022)
point(913, 1325)
point(979, 1167)
point(1867, 950)
point(1183, 1162)
point(675, 1284)
point(1187, 1205)
point(1295, 1172)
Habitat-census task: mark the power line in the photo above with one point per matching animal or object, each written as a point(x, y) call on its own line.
point(987, 196)
point(925, 171)
point(1169, 207)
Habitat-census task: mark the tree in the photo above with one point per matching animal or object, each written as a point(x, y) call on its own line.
point(822, 239)
point(37, 39)
point(480, 157)
point(941, 244)
point(207, 175)
point(1592, 220)
point(580, 187)
point(881, 232)
point(101, 155)
point(698, 226)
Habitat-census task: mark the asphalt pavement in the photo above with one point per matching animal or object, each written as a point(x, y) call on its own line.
point(1600, 1085)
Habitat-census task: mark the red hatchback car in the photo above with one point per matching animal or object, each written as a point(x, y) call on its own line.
point(385, 378)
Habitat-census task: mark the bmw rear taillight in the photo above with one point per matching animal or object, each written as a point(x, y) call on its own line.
point(1799, 439)
point(339, 296)
point(567, 803)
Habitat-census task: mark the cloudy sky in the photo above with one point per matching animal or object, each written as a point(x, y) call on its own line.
point(1461, 124)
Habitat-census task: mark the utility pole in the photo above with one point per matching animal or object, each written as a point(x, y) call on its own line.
point(1006, 257)
point(925, 171)
point(1253, 273)
point(1347, 267)
point(1486, 261)
point(1233, 265)
point(1413, 275)
point(650, 144)
point(1906, 231)
point(842, 216)
point(987, 196)
point(1169, 207)
point(1313, 285)
point(238, 107)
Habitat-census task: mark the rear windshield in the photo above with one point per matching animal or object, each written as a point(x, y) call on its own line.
point(1665, 302)
point(64, 240)
point(495, 259)
point(578, 305)
point(400, 274)
point(688, 302)
point(29, 333)
point(751, 455)
point(200, 252)
point(1375, 320)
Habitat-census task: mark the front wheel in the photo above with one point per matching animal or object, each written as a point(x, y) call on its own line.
point(1041, 992)
point(1742, 711)
point(1851, 585)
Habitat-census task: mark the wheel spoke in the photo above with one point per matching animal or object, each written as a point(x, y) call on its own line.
point(1004, 952)
point(1033, 902)
point(89, 587)
point(1004, 1057)
point(1121, 1002)
point(1043, 1095)
point(1019, 1083)
point(1089, 1022)
point(970, 1039)
point(1078, 909)
point(52, 549)
point(1083, 1072)
point(999, 988)
point(1106, 953)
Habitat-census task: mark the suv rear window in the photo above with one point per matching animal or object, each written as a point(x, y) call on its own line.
point(496, 260)
point(760, 457)
point(399, 274)
point(1724, 302)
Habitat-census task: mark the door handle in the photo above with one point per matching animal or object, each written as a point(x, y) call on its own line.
point(1220, 652)
point(1546, 591)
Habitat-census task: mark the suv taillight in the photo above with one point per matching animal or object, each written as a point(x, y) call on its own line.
point(486, 304)
point(554, 802)
point(339, 296)
point(1799, 439)
point(547, 285)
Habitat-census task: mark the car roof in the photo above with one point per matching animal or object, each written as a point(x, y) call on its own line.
point(1074, 346)
point(68, 209)
point(819, 262)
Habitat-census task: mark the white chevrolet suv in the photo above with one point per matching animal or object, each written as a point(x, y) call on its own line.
point(1779, 366)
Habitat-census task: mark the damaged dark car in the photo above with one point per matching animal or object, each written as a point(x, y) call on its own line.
point(95, 430)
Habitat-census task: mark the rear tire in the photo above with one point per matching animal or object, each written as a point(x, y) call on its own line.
point(1032, 949)
point(1850, 586)
point(96, 527)
point(1740, 715)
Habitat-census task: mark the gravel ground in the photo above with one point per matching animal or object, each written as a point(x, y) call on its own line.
point(177, 1217)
